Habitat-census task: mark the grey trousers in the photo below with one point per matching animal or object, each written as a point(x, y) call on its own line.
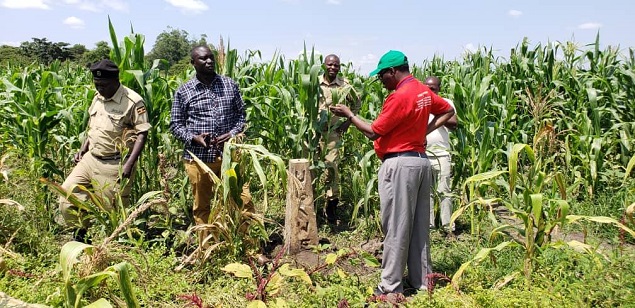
point(404, 193)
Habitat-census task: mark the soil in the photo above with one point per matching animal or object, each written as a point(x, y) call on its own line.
point(311, 259)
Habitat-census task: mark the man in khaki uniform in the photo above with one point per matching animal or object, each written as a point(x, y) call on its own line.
point(334, 90)
point(117, 131)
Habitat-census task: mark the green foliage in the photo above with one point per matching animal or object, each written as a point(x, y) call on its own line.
point(534, 217)
point(234, 226)
point(25, 221)
point(268, 280)
point(10, 55)
point(45, 51)
point(73, 290)
point(101, 51)
point(172, 45)
point(76, 52)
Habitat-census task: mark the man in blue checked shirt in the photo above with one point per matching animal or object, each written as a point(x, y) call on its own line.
point(207, 111)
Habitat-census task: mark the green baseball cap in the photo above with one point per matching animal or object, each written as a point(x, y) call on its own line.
point(390, 59)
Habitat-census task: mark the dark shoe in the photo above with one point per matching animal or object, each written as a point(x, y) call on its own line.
point(377, 292)
point(80, 236)
point(411, 288)
point(331, 208)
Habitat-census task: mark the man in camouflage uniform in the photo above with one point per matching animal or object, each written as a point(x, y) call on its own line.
point(117, 131)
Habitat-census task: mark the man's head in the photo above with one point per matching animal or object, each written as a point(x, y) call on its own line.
point(433, 83)
point(392, 67)
point(203, 61)
point(332, 67)
point(106, 77)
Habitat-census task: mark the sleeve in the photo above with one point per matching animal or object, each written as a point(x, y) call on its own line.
point(439, 105)
point(388, 118)
point(239, 107)
point(140, 117)
point(178, 118)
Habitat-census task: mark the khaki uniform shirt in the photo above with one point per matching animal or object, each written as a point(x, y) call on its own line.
point(115, 122)
point(337, 92)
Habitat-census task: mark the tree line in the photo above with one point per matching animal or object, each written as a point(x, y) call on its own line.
point(172, 45)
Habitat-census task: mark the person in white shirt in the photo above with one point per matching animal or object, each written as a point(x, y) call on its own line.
point(437, 149)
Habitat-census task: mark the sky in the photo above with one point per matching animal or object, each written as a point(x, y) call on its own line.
point(359, 31)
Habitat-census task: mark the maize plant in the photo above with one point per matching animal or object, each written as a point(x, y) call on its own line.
point(536, 197)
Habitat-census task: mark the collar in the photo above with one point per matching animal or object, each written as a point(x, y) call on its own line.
point(338, 81)
point(407, 79)
point(197, 82)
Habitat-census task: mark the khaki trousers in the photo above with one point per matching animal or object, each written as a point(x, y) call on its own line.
point(203, 191)
point(100, 175)
point(202, 188)
point(331, 160)
point(442, 183)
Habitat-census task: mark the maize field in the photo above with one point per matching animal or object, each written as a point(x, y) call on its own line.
point(545, 131)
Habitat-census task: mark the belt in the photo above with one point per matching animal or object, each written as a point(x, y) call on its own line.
point(110, 157)
point(405, 154)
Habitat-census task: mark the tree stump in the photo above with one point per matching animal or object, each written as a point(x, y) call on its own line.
point(300, 225)
point(10, 302)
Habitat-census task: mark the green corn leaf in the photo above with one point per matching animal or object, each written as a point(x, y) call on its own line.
point(480, 256)
point(115, 52)
point(69, 256)
point(125, 283)
point(601, 219)
point(483, 176)
point(91, 281)
point(370, 260)
point(100, 303)
point(536, 208)
point(629, 168)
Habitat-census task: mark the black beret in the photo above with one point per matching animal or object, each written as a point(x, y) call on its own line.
point(105, 69)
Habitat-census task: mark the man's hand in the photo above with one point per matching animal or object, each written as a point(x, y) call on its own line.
point(201, 140)
point(341, 110)
point(222, 138)
point(127, 169)
point(206, 140)
point(452, 123)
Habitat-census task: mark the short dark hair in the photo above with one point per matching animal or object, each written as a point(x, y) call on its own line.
point(192, 55)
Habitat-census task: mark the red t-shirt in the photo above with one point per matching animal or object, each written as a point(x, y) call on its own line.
point(403, 120)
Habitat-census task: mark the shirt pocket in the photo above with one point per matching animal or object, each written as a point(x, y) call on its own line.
point(96, 121)
point(116, 122)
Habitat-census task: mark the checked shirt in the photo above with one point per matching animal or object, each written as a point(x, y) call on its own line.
point(198, 108)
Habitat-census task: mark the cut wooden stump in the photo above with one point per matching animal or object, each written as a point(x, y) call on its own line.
point(10, 302)
point(300, 225)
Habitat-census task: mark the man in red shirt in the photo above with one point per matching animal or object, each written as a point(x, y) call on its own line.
point(404, 178)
